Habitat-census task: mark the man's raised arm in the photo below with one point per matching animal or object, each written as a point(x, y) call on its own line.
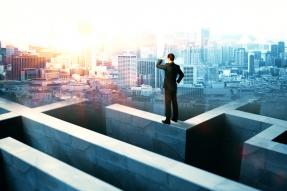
point(158, 64)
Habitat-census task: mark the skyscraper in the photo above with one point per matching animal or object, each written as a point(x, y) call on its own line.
point(204, 45)
point(127, 67)
point(192, 56)
point(274, 50)
point(21, 63)
point(240, 57)
point(146, 71)
point(281, 48)
point(227, 55)
point(251, 69)
point(268, 59)
point(281, 53)
point(189, 76)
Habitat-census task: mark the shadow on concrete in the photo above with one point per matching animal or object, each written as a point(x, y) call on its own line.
point(281, 138)
point(216, 145)
point(275, 108)
point(10, 128)
point(90, 115)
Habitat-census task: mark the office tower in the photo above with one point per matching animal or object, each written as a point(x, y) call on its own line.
point(204, 45)
point(11, 50)
point(274, 50)
point(257, 55)
point(251, 69)
point(189, 76)
point(281, 53)
point(240, 57)
point(227, 55)
point(212, 74)
point(18, 64)
point(192, 56)
point(214, 57)
point(146, 69)
point(159, 77)
point(268, 59)
point(281, 48)
point(127, 67)
point(87, 58)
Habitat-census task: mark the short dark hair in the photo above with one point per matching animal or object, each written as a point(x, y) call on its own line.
point(171, 56)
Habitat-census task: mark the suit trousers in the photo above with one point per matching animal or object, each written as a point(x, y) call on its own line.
point(170, 99)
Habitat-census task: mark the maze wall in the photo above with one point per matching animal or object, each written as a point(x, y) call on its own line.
point(227, 148)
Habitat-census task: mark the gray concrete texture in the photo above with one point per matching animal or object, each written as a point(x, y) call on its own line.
point(214, 146)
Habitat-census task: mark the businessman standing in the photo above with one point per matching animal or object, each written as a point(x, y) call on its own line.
point(172, 70)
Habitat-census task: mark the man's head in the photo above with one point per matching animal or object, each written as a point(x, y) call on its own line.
point(170, 57)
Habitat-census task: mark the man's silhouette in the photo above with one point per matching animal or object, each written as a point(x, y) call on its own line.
point(172, 70)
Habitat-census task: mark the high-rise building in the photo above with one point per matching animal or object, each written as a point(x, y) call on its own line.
point(241, 57)
point(281, 53)
point(268, 59)
point(281, 48)
point(146, 69)
point(257, 55)
point(227, 55)
point(192, 56)
point(11, 50)
point(214, 57)
point(274, 50)
point(127, 67)
point(204, 45)
point(159, 77)
point(189, 76)
point(251, 69)
point(18, 64)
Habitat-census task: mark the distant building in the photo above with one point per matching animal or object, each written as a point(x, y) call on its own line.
point(204, 44)
point(192, 55)
point(146, 69)
point(269, 59)
point(31, 74)
point(190, 91)
point(227, 55)
point(281, 48)
point(18, 64)
point(281, 53)
point(11, 50)
point(214, 57)
point(159, 77)
point(241, 57)
point(127, 67)
point(251, 69)
point(274, 50)
point(189, 75)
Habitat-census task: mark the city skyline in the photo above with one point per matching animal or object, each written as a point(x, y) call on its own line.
point(74, 24)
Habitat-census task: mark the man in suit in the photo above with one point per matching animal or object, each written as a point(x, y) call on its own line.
point(172, 70)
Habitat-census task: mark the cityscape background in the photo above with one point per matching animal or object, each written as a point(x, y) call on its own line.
point(215, 73)
point(53, 51)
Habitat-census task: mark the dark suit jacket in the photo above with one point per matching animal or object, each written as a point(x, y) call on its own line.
point(171, 72)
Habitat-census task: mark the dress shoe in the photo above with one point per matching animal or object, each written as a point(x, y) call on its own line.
point(175, 120)
point(166, 121)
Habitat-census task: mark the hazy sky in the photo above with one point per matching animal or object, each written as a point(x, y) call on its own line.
point(58, 22)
